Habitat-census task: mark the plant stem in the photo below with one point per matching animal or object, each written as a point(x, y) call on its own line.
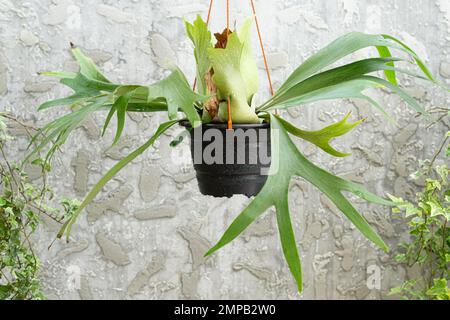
point(438, 152)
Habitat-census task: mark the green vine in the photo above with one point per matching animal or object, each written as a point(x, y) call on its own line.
point(21, 205)
point(429, 229)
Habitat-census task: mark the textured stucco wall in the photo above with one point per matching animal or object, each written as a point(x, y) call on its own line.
point(144, 237)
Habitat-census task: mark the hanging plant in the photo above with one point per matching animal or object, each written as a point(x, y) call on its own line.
point(227, 80)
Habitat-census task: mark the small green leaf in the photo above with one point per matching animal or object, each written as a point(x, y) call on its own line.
point(436, 209)
point(400, 258)
point(108, 119)
point(120, 105)
point(439, 290)
point(443, 173)
point(395, 290)
point(410, 210)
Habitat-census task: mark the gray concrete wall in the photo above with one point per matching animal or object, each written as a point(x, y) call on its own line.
point(145, 235)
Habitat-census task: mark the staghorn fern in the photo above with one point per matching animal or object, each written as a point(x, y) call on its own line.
point(235, 77)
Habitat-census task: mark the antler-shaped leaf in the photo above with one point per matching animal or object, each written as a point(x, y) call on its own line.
point(87, 83)
point(346, 45)
point(236, 75)
point(348, 81)
point(94, 92)
point(308, 84)
point(322, 138)
point(87, 66)
point(287, 162)
point(178, 94)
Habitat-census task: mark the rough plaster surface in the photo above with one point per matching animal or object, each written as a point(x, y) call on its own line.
point(145, 235)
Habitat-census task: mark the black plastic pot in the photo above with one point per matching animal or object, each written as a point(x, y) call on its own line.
point(230, 171)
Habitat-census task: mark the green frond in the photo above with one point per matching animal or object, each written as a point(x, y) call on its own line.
point(287, 163)
point(322, 138)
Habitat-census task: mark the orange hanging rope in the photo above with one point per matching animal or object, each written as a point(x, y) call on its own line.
point(228, 18)
point(207, 23)
point(230, 120)
point(262, 47)
point(209, 12)
point(266, 65)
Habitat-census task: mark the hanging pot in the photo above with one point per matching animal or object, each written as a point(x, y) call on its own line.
point(229, 162)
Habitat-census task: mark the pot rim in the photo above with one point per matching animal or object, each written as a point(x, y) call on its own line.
point(187, 125)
